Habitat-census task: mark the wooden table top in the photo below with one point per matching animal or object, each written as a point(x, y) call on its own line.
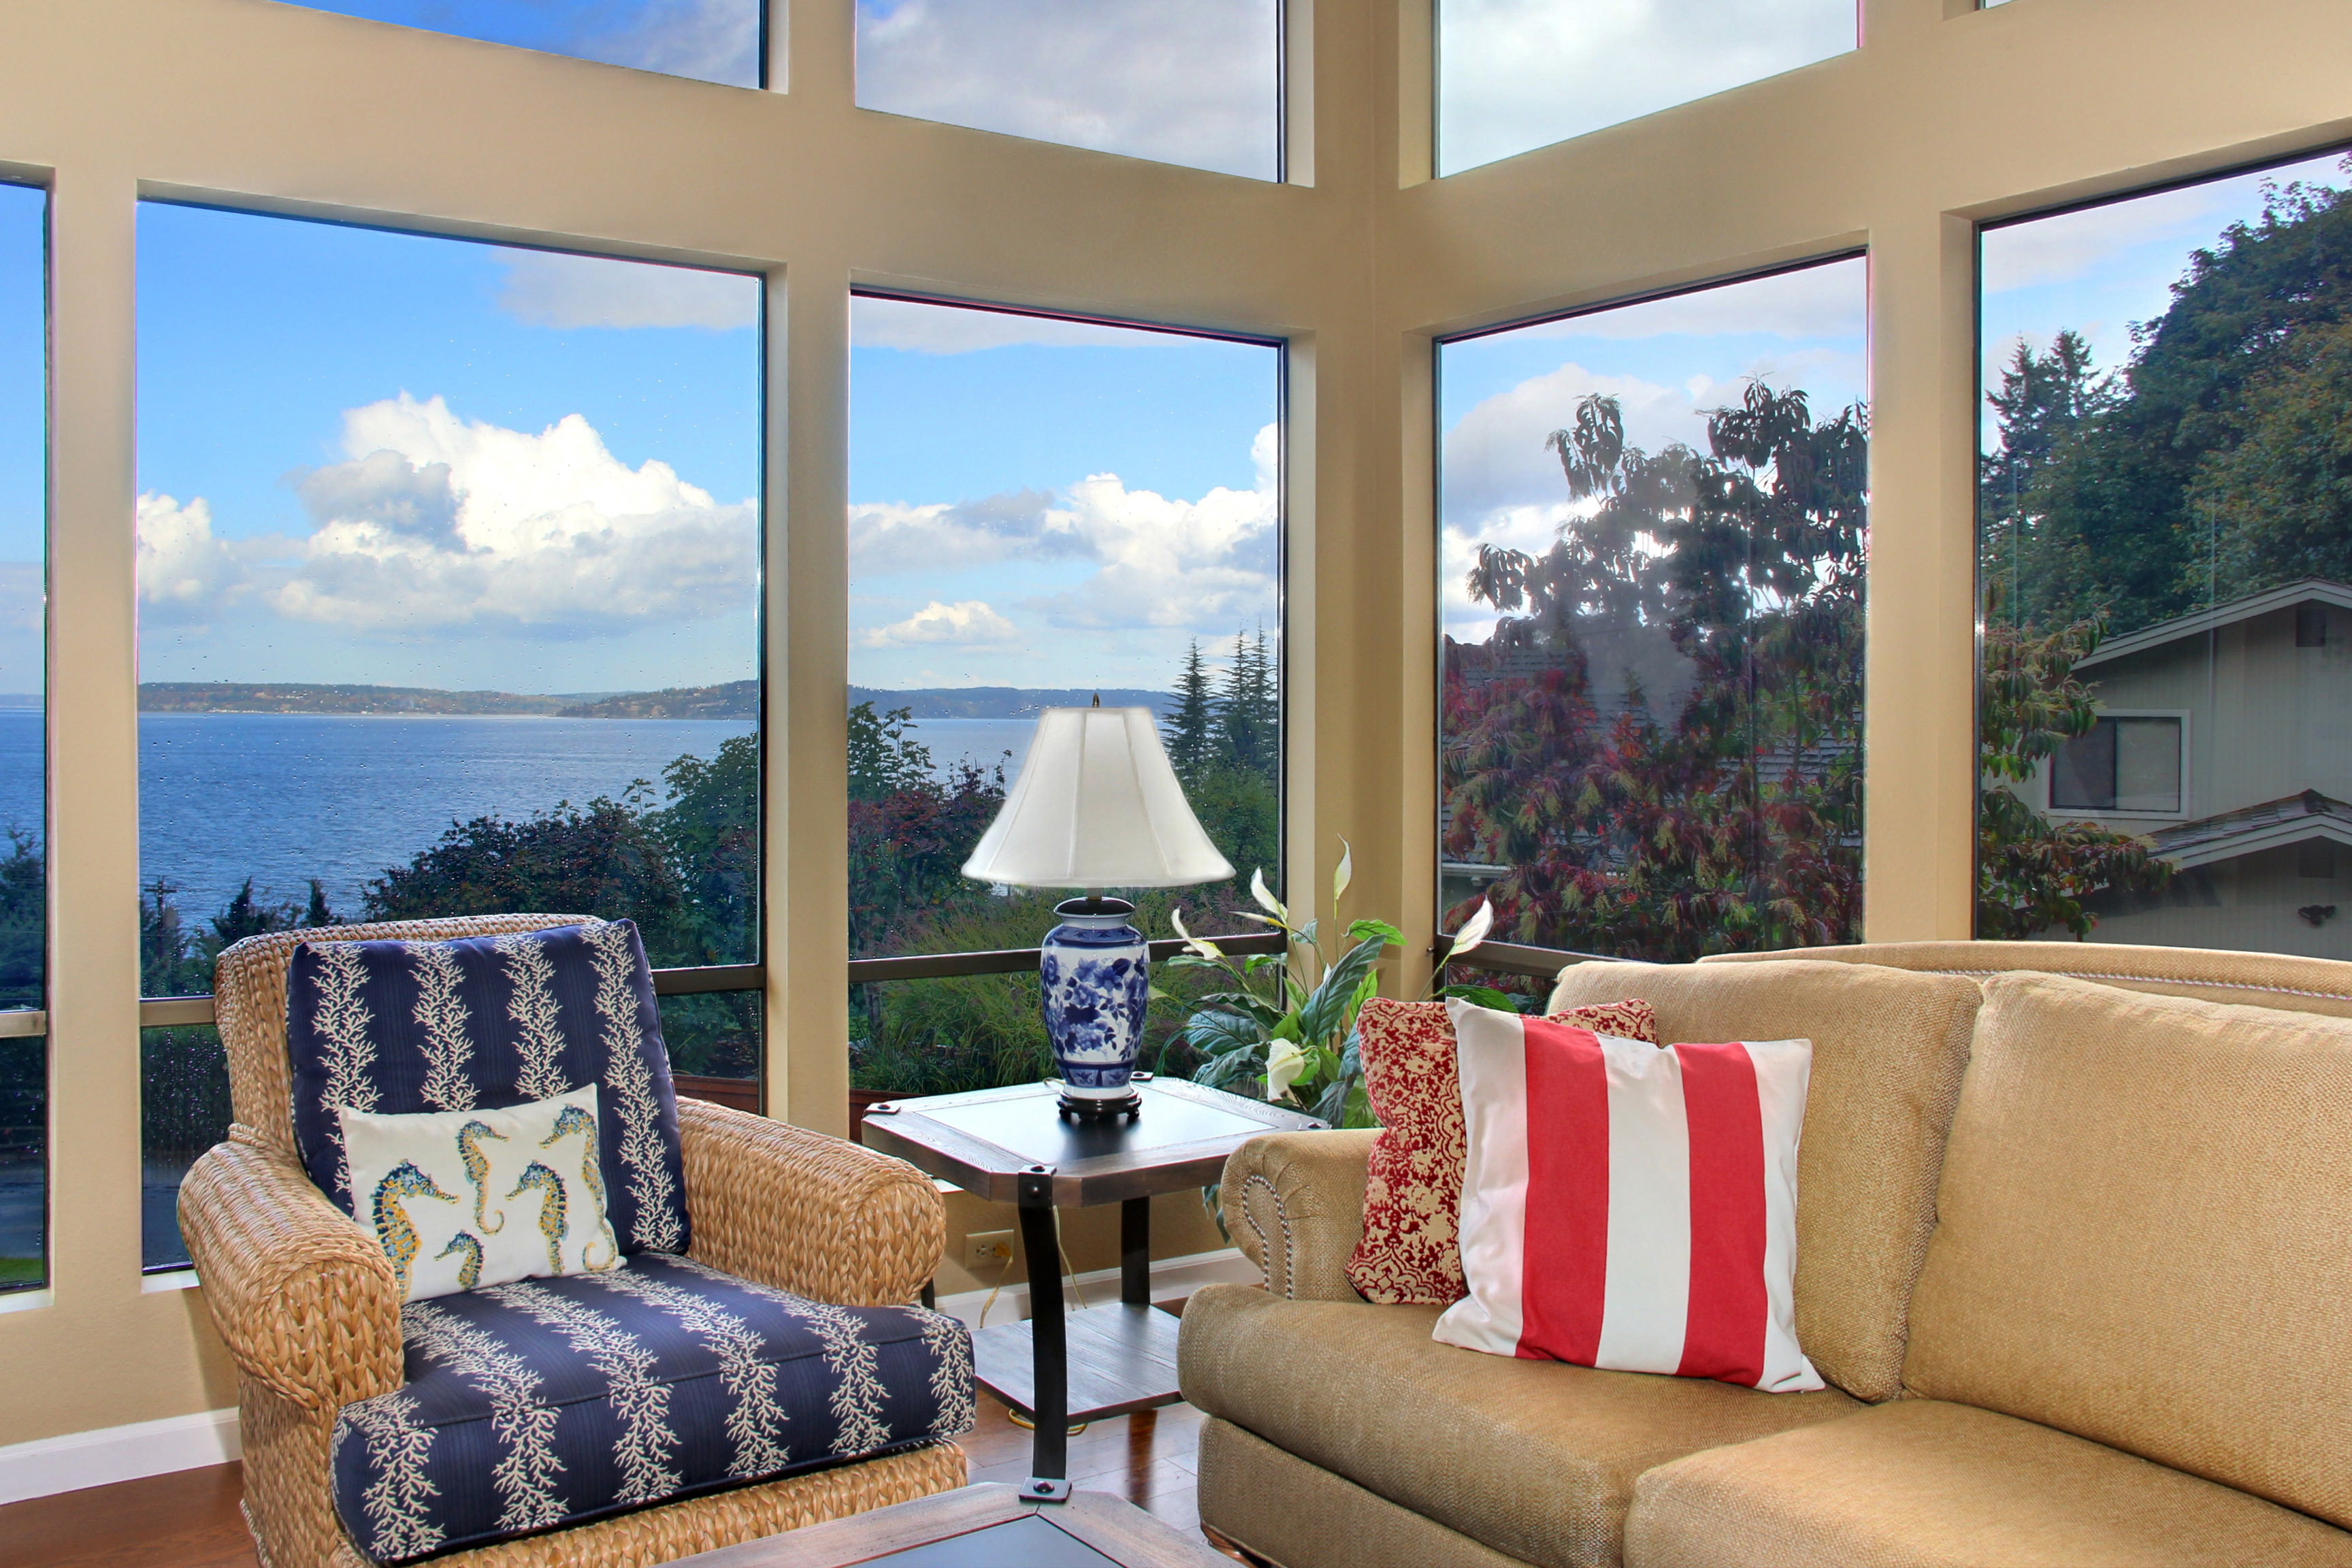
point(984, 1140)
point(946, 1531)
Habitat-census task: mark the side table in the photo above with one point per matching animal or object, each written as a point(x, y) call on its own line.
point(1010, 1145)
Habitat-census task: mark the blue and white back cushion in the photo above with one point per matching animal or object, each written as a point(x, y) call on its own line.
point(461, 1199)
point(400, 1027)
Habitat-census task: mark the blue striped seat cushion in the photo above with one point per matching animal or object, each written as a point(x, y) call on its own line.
point(549, 1402)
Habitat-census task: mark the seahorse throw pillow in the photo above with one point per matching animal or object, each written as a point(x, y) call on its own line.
point(394, 1028)
point(460, 1199)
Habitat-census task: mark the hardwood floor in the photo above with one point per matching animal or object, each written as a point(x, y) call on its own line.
point(190, 1519)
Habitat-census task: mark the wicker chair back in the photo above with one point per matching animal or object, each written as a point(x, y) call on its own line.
point(249, 1007)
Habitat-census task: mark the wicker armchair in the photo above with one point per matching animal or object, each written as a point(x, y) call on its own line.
point(307, 1305)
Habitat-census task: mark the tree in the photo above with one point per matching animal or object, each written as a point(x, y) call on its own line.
point(2278, 505)
point(882, 760)
point(1192, 721)
point(1249, 713)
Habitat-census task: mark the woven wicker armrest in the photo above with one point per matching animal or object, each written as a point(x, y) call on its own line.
point(1295, 1205)
point(820, 1216)
point(303, 1297)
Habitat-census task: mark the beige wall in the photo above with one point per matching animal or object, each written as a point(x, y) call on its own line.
point(1942, 119)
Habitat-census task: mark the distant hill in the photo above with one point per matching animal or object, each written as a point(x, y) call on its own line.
point(736, 699)
point(1001, 701)
point(241, 696)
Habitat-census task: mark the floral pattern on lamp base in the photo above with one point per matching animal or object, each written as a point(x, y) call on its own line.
point(1095, 974)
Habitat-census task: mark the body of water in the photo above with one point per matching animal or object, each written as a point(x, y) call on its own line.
point(984, 742)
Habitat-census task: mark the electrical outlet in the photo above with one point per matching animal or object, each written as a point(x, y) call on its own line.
point(985, 1251)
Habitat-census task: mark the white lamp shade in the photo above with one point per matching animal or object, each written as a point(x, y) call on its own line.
point(1097, 805)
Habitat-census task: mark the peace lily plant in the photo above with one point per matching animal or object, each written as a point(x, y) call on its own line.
point(1287, 1025)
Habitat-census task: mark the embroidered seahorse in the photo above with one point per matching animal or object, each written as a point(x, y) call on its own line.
point(551, 1226)
point(469, 1271)
point(394, 1233)
point(576, 1119)
point(477, 1171)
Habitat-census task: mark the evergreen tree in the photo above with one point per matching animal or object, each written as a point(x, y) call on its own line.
point(319, 914)
point(1191, 727)
point(1248, 724)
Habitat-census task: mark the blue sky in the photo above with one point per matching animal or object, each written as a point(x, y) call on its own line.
point(1049, 503)
point(24, 427)
point(717, 40)
point(1667, 362)
point(2101, 270)
point(384, 457)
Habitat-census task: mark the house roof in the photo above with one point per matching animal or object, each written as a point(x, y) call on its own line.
point(2197, 623)
point(2270, 826)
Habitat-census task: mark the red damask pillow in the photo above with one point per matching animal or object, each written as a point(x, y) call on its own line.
point(1411, 1248)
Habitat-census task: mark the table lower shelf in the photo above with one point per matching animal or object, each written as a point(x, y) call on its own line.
point(1122, 1359)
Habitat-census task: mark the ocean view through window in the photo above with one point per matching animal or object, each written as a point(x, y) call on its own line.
point(1654, 532)
point(2165, 561)
point(24, 863)
point(449, 566)
point(1045, 512)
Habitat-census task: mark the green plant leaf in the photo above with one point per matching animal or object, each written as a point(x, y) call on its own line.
point(1483, 996)
point(1358, 930)
point(1326, 1011)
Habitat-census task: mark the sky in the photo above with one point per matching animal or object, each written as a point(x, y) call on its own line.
point(411, 461)
point(1515, 75)
point(718, 40)
point(1042, 503)
point(1668, 361)
point(2102, 269)
point(24, 434)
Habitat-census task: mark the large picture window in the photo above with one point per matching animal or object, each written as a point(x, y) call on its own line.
point(1045, 512)
point(23, 865)
point(1515, 75)
point(448, 564)
point(1195, 84)
point(2164, 540)
point(1654, 532)
point(717, 40)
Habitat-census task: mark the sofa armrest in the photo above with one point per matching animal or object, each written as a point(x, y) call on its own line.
point(1295, 1205)
point(302, 1297)
point(819, 1216)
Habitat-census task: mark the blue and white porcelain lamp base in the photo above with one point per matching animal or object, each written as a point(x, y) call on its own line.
point(1093, 973)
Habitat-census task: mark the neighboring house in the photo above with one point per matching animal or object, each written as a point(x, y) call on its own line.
point(2223, 739)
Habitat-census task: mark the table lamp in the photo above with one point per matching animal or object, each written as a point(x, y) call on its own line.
point(1096, 805)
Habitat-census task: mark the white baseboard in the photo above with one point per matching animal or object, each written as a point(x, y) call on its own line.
point(1169, 1277)
point(112, 1454)
point(78, 1459)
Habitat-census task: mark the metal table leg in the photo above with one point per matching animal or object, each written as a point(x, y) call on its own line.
point(1049, 1463)
point(1135, 1252)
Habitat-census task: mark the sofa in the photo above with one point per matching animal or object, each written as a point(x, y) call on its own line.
point(2075, 1257)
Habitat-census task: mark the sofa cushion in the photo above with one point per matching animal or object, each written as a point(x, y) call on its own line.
point(1920, 1484)
point(1889, 1048)
point(395, 1027)
point(547, 1402)
point(2145, 1213)
point(1534, 1458)
point(1412, 1247)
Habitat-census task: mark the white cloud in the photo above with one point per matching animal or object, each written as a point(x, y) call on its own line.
point(718, 40)
point(558, 289)
point(880, 323)
point(436, 523)
point(1519, 74)
point(1832, 300)
point(1184, 84)
point(963, 624)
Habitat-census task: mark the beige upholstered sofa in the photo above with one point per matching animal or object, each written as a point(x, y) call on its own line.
point(2074, 1254)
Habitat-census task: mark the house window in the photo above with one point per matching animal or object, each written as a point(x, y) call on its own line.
point(1196, 84)
point(1043, 511)
point(2162, 543)
point(1654, 564)
point(448, 563)
point(24, 862)
point(1513, 74)
point(2121, 764)
point(714, 40)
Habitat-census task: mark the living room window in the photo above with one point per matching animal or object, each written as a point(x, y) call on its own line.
point(715, 41)
point(1653, 545)
point(1516, 75)
point(2165, 562)
point(1197, 84)
point(1042, 511)
point(448, 579)
point(24, 860)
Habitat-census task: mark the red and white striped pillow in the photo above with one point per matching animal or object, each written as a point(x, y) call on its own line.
point(1629, 1207)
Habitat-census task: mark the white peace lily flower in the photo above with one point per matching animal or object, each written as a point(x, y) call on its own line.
point(1474, 930)
point(1283, 1062)
point(1265, 899)
point(1201, 945)
point(1342, 876)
